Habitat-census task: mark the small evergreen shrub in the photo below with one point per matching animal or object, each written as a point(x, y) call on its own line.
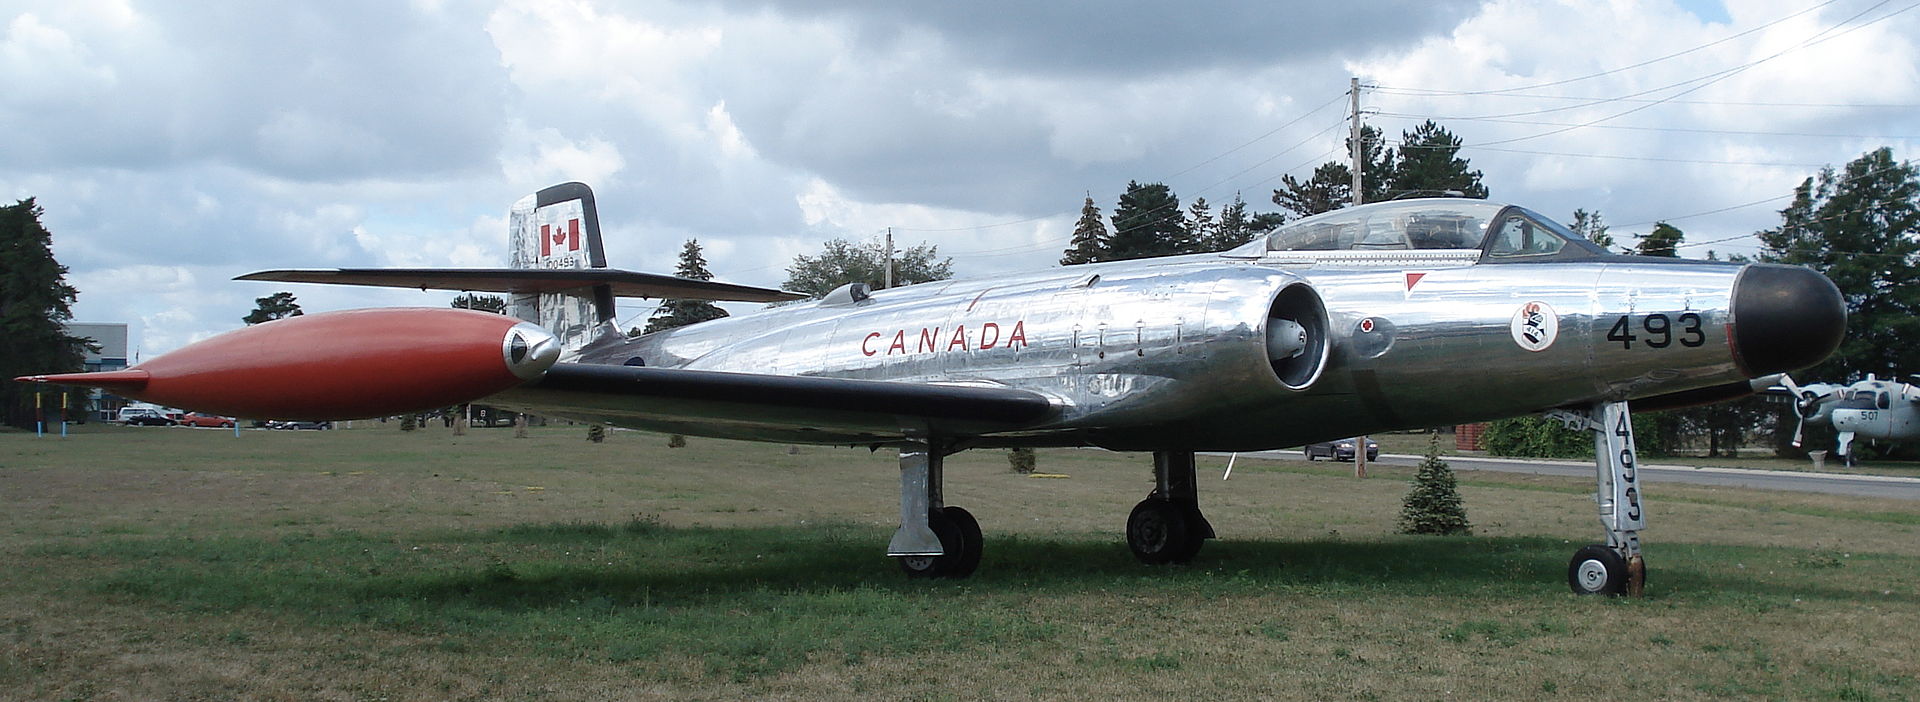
point(1433, 506)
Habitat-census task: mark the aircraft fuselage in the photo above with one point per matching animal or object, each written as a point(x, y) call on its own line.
point(1174, 353)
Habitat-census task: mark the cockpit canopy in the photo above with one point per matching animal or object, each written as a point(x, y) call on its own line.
point(1499, 232)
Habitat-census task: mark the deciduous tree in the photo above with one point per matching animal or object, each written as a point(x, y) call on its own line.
point(276, 306)
point(484, 303)
point(1861, 227)
point(841, 262)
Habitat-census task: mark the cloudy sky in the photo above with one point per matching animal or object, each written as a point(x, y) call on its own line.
point(176, 145)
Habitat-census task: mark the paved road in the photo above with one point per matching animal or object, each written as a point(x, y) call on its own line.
point(1867, 485)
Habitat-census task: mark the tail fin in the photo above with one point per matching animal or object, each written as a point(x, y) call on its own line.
point(558, 228)
point(559, 277)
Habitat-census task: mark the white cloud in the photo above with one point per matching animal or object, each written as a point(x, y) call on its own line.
point(168, 137)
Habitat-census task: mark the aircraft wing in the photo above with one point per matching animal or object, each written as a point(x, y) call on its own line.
point(810, 407)
point(529, 280)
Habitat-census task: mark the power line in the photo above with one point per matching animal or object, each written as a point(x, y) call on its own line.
point(1682, 130)
point(1177, 174)
point(1648, 62)
point(1697, 83)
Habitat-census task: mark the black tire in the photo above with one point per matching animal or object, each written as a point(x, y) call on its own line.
point(1597, 570)
point(1309, 451)
point(936, 566)
point(971, 545)
point(1159, 532)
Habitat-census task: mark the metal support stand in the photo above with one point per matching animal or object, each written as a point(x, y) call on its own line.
point(920, 484)
point(1617, 491)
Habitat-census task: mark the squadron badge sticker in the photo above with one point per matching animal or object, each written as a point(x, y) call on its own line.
point(1534, 326)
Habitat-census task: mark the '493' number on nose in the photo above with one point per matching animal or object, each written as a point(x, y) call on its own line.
point(1659, 329)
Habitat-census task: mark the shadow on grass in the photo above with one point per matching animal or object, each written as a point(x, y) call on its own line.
point(643, 564)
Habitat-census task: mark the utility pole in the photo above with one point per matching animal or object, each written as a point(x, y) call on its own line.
point(1359, 163)
point(1359, 197)
point(887, 279)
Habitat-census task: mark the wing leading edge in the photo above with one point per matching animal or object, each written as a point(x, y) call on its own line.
point(529, 280)
point(806, 409)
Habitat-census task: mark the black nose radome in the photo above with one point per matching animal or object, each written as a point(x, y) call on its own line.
point(1785, 318)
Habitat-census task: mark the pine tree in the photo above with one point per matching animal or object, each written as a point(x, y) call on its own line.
point(679, 313)
point(1331, 185)
point(1592, 226)
point(35, 305)
point(1429, 165)
point(1433, 506)
point(1663, 241)
point(1089, 243)
point(1330, 188)
point(1202, 229)
point(1235, 228)
point(1146, 223)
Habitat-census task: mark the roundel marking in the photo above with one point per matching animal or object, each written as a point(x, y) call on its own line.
point(1535, 326)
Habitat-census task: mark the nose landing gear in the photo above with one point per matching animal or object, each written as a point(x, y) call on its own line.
point(1616, 567)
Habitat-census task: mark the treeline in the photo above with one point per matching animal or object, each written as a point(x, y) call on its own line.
point(1148, 220)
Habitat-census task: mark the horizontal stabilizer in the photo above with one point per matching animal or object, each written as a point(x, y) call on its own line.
point(529, 281)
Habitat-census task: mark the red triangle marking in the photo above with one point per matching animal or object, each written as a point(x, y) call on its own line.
point(1413, 278)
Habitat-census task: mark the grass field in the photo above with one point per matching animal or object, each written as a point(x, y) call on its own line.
point(371, 564)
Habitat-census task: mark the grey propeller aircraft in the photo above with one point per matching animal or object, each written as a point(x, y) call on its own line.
point(1397, 315)
point(1876, 409)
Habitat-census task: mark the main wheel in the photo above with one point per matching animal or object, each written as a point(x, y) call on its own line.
point(1159, 531)
point(1309, 452)
point(970, 542)
point(1597, 570)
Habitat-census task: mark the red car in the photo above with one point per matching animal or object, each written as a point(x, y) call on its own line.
point(197, 419)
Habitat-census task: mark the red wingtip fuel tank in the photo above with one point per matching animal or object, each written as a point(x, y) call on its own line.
point(339, 365)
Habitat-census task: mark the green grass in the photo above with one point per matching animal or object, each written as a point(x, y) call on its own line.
point(368, 563)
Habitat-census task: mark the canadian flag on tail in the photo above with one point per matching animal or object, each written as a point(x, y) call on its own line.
point(553, 236)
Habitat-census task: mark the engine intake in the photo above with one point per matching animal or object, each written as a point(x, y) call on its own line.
point(1297, 336)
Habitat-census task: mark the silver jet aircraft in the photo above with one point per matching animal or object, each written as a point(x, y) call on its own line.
point(1396, 315)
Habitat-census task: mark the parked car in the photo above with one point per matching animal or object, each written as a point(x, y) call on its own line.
point(1341, 450)
point(143, 416)
point(299, 424)
point(197, 419)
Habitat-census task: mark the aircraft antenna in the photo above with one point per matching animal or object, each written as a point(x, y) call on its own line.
point(887, 277)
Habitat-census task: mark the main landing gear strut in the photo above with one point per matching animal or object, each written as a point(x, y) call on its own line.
point(1616, 567)
point(1167, 527)
point(935, 540)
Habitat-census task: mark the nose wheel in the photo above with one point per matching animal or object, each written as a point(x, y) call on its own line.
point(1616, 567)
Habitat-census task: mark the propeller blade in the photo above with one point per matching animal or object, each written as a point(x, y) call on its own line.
point(1798, 428)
